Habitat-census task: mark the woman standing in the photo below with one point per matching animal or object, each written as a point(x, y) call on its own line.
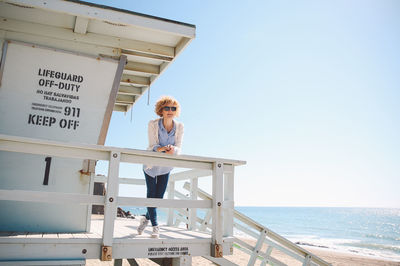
point(165, 135)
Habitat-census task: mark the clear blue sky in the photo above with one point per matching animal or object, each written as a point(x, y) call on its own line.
point(307, 92)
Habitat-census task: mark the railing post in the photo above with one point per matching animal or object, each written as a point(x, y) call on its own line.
point(90, 206)
point(194, 184)
point(171, 195)
point(217, 197)
point(206, 221)
point(229, 198)
point(257, 248)
point(307, 260)
point(110, 205)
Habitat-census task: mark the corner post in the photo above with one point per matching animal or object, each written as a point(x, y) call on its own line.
point(217, 219)
point(171, 195)
point(110, 205)
point(194, 184)
point(229, 181)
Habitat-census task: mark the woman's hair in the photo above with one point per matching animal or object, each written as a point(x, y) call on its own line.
point(167, 101)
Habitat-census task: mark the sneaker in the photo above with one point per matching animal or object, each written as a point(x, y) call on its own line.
point(142, 225)
point(156, 232)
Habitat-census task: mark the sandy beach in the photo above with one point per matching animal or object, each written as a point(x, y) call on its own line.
point(241, 258)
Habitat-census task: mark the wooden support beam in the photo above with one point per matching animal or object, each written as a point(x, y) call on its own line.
point(50, 197)
point(81, 25)
point(162, 261)
point(131, 90)
point(163, 203)
point(189, 174)
point(228, 197)
point(132, 262)
point(164, 161)
point(132, 79)
point(121, 107)
point(257, 248)
point(110, 204)
point(130, 99)
point(194, 185)
point(149, 56)
point(181, 45)
point(171, 196)
point(121, 180)
point(112, 16)
point(142, 68)
point(88, 38)
point(217, 219)
point(220, 261)
point(89, 49)
point(111, 101)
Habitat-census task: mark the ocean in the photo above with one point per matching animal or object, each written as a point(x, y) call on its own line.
point(364, 231)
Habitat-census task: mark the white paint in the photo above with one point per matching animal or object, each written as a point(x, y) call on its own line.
point(217, 198)
point(110, 203)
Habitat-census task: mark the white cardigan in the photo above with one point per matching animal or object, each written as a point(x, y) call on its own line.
point(153, 135)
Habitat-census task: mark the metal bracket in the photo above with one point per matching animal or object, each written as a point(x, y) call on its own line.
point(106, 253)
point(88, 167)
point(216, 251)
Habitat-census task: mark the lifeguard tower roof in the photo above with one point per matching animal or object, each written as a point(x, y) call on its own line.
point(149, 43)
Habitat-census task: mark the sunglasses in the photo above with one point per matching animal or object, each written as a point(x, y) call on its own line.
point(167, 108)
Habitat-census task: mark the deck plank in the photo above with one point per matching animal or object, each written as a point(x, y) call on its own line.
point(79, 235)
point(50, 235)
point(65, 235)
point(125, 230)
point(34, 235)
point(126, 242)
point(91, 235)
point(18, 234)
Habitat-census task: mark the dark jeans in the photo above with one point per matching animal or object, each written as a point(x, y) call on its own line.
point(156, 187)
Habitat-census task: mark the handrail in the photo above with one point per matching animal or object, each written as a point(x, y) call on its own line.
point(99, 152)
point(50, 197)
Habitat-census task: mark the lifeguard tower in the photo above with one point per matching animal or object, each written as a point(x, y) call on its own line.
point(65, 67)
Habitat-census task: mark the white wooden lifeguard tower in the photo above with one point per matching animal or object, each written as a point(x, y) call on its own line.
point(65, 67)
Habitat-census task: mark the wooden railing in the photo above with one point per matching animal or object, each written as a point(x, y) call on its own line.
point(252, 229)
point(220, 218)
point(222, 190)
point(233, 220)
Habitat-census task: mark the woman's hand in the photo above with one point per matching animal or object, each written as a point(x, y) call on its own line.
point(162, 149)
point(170, 149)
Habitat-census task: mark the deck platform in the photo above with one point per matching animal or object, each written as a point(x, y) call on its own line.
point(173, 242)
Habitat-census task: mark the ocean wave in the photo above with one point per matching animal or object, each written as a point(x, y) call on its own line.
point(354, 246)
point(374, 246)
point(391, 252)
point(379, 236)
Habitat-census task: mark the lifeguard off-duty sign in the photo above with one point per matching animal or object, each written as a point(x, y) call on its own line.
point(55, 95)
